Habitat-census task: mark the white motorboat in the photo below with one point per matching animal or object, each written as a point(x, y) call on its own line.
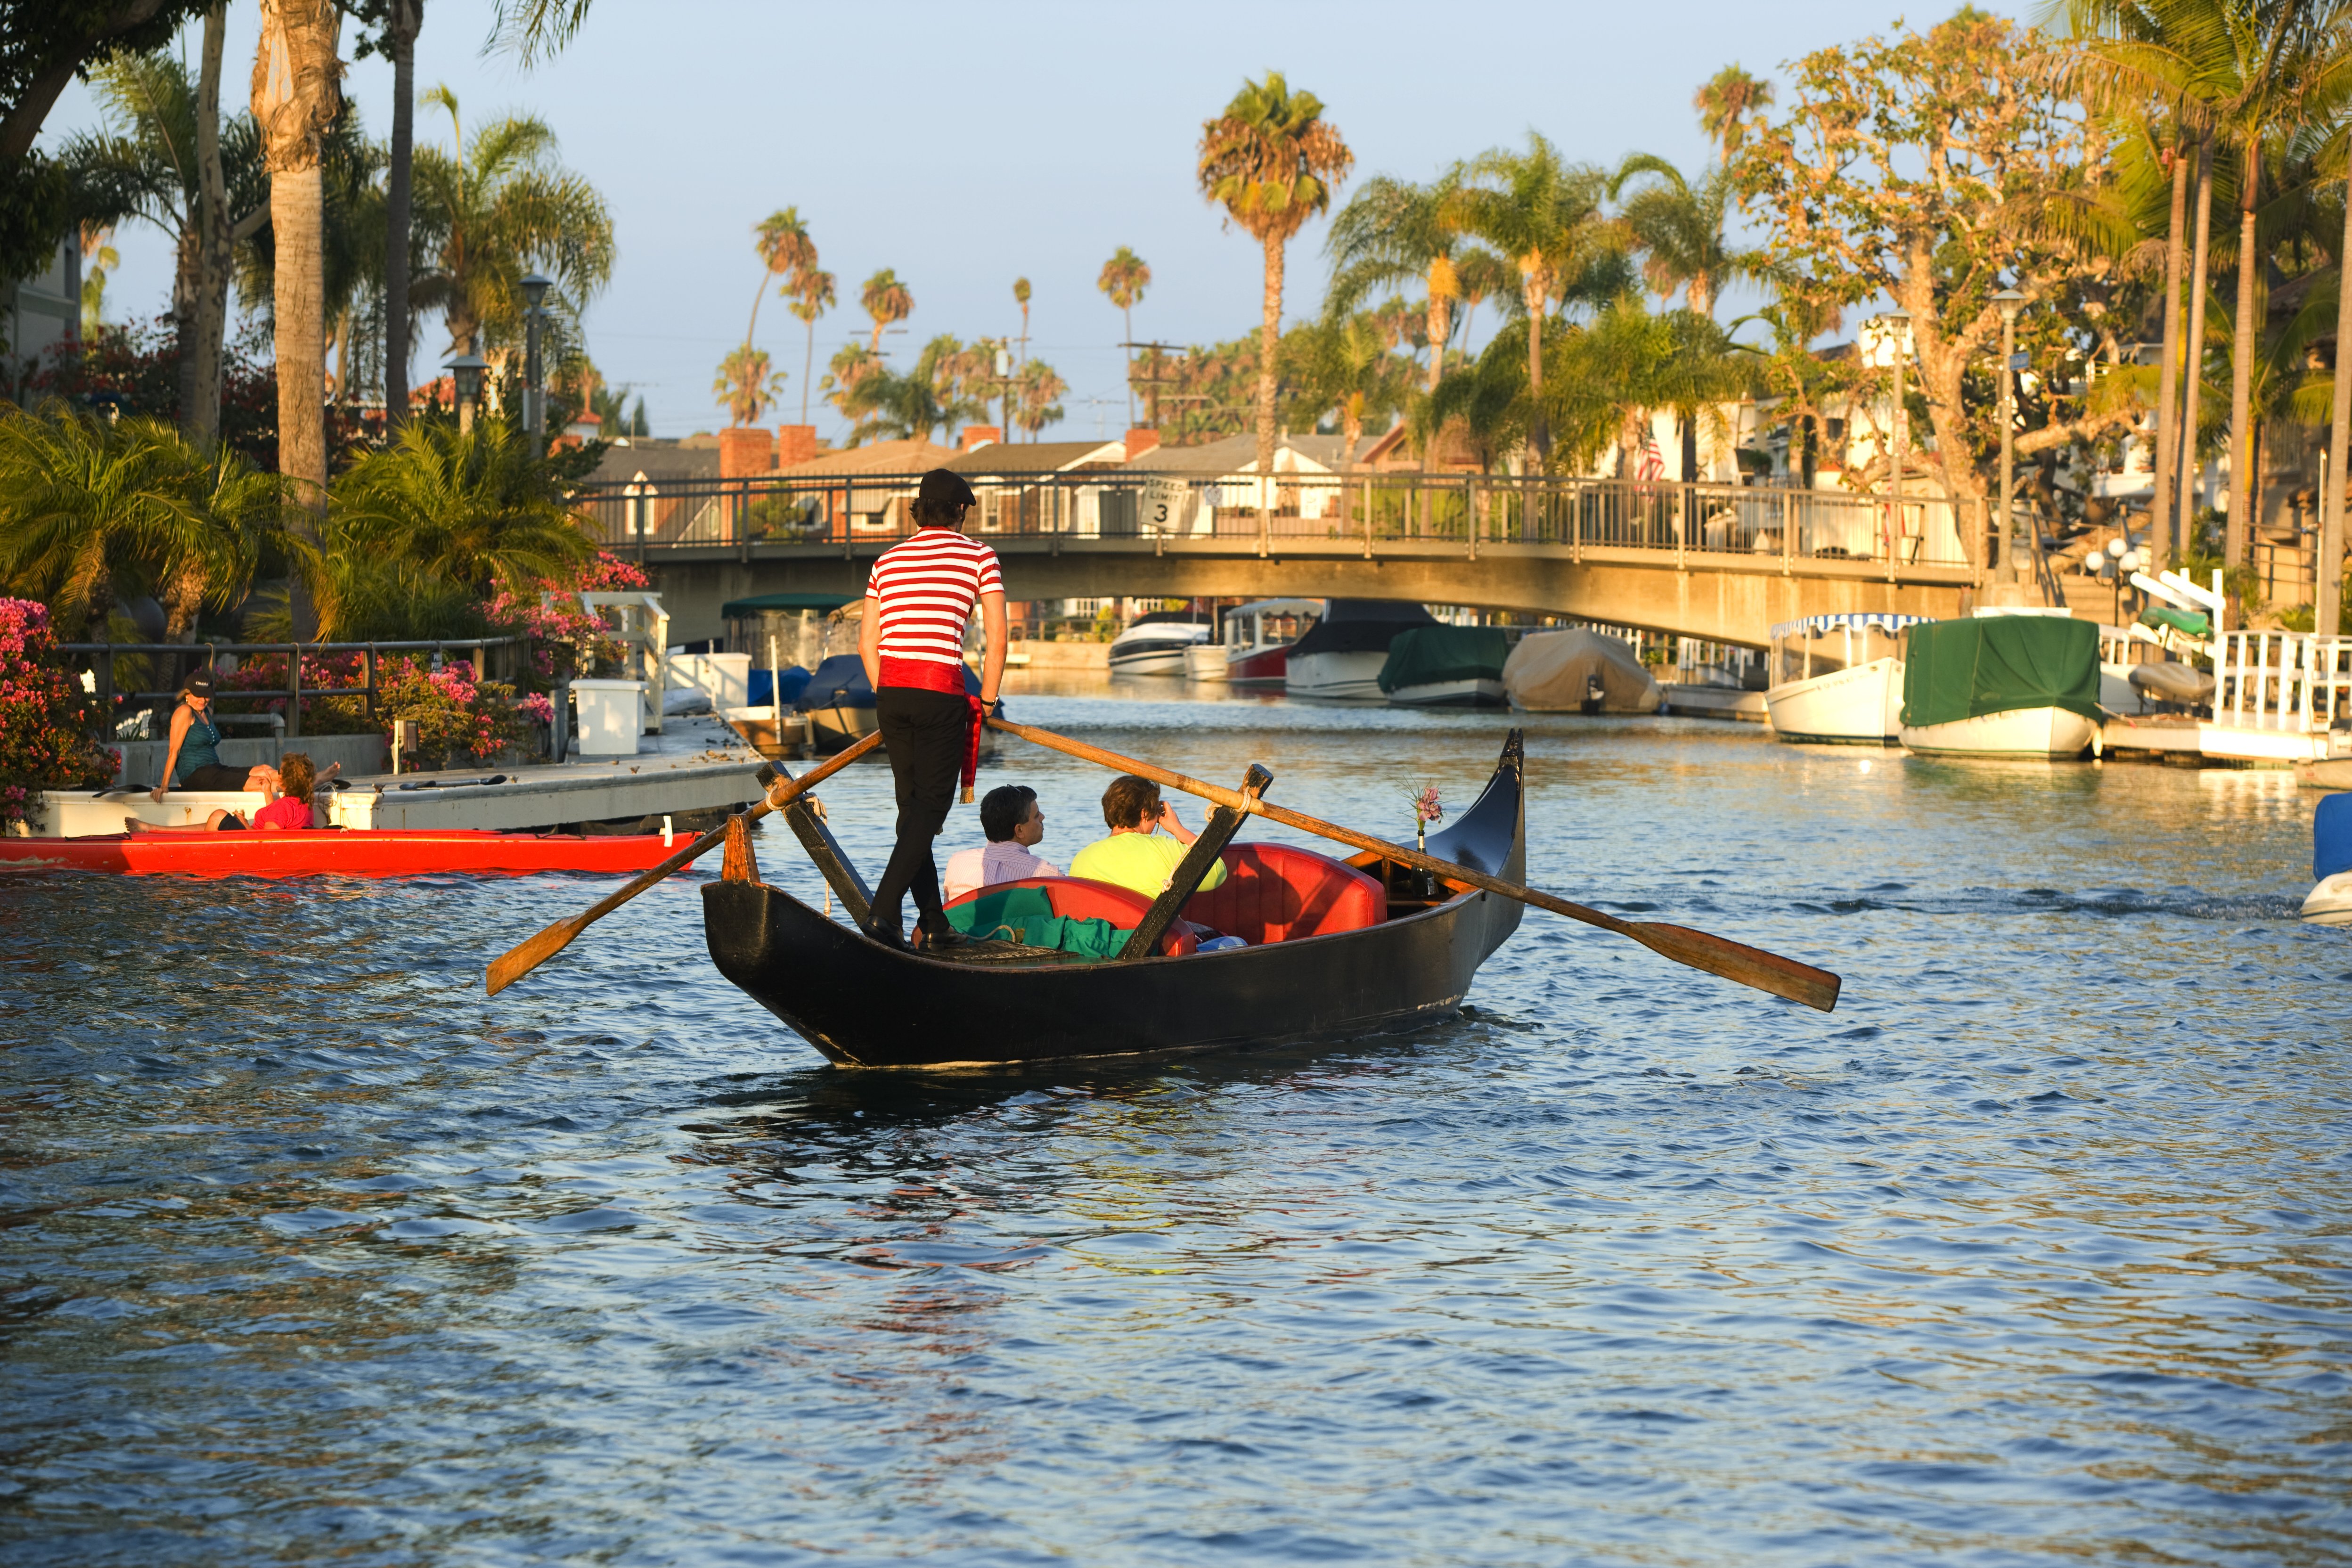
point(1838, 680)
point(1155, 644)
point(2053, 732)
point(1342, 653)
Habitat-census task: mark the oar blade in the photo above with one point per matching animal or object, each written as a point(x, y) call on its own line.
point(1816, 988)
point(525, 956)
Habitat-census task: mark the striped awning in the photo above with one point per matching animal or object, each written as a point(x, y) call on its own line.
point(1853, 620)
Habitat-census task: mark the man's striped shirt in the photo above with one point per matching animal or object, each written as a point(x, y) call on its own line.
point(924, 589)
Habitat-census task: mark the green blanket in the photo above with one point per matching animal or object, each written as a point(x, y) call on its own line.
point(1964, 669)
point(1026, 915)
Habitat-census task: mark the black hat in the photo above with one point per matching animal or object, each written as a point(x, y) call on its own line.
point(199, 684)
point(943, 488)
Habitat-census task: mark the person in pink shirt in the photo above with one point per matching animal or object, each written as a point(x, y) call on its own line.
point(1014, 822)
point(291, 809)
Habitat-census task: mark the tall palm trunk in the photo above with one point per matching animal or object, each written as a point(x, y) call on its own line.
point(200, 416)
point(808, 368)
point(1127, 318)
point(405, 18)
point(2191, 471)
point(2168, 394)
point(1538, 429)
point(2328, 586)
point(1440, 327)
point(1269, 335)
point(2242, 349)
point(185, 289)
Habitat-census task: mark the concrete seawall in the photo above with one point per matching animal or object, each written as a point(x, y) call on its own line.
point(1064, 655)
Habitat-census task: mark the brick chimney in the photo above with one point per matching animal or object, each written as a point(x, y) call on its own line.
point(794, 444)
point(745, 452)
point(1139, 442)
point(979, 435)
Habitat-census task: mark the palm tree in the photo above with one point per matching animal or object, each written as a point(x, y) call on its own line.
point(935, 393)
point(786, 251)
point(888, 301)
point(1123, 278)
point(812, 292)
point(1020, 297)
point(1725, 102)
point(477, 509)
point(490, 209)
point(745, 385)
point(1034, 393)
point(89, 502)
point(1545, 214)
point(296, 102)
point(400, 21)
point(1344, 367)
point(1270, 161)
point(1392, 232)
point(230, 513)
point(1681, 230)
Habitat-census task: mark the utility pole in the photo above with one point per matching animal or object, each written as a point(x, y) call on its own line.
point(1152, 381)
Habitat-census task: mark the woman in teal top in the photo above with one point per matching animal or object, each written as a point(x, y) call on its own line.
point(192, 759)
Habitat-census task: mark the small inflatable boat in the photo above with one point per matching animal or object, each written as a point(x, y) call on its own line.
point(2330, 903)
point(338, 852)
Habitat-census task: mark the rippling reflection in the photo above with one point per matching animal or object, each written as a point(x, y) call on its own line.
point(2035, 1252)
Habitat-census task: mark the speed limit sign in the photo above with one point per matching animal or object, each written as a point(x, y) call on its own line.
point(1165, 503)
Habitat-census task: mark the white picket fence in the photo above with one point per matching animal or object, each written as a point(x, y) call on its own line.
point(2294, 681)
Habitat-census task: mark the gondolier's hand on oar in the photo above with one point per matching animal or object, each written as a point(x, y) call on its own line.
point(1769, 972)
point(520, 960)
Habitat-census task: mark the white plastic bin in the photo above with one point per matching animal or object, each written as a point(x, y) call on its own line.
point(611, 716)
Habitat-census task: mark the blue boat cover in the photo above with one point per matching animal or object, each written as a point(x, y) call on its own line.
point(840, 682)
point(791, 677)
point(2331, 836)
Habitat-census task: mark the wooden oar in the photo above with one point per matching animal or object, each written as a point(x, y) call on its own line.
point(527, 956)
point(1753, 966)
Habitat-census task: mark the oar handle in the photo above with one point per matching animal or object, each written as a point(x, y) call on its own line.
point(526, 956)
point(1816, 988)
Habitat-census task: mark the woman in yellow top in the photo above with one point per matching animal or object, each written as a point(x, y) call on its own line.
point(1134, 856)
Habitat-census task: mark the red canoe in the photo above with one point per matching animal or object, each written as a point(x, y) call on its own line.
point(338, 852)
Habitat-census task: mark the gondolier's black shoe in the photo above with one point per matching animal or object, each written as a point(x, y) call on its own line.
point(941, 938)
point(888, 936)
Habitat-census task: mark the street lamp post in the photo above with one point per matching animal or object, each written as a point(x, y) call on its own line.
point(1902, 319)
point(534, 397)
point(2011, 302)
point(466, 370)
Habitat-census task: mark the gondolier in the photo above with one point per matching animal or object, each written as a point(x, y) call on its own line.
point(911, 638)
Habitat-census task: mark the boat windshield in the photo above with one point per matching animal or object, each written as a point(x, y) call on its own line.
point(1824, 646)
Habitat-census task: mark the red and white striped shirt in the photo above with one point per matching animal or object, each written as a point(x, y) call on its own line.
point(923, 590)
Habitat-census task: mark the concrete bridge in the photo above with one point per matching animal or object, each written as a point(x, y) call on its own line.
point(1728, 596)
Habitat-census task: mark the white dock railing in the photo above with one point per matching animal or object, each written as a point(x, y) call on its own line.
point(2294, 681)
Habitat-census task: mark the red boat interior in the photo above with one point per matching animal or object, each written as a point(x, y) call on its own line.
point(1272, 892)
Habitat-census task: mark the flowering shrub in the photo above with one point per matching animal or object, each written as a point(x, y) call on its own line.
point(567, 642)
point(538, 707)
point(451, 713)
point(44, 717)
point(266, 672)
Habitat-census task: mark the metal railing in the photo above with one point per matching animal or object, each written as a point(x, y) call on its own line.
point(1466, 511)
point(101, 658)
point(2294, 682)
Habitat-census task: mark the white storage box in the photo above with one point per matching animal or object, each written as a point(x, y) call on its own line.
point(612, 717)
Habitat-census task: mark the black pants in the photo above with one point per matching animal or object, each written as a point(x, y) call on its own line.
point(927, 733)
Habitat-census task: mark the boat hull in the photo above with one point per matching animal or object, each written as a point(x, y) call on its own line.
point(864, 1004)
point(1161, 658)
point(337, 852)
point(2329, 904)
point(1857, 706)
point(1206, 661)
point(1349, 675)
point(1470, 693)
point(1691, 699)
point(2049, 732)
point(1258, 665)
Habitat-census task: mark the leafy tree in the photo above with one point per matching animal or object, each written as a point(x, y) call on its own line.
point(888, 404)
point(888, 301)
point(1345, 369)
point(1545, 215)
point(397, 22)
point(745, 387)
point(1394, 232)
point(1036, 390)
point(1270, 161)
point(1123, 278)
point(135, 369)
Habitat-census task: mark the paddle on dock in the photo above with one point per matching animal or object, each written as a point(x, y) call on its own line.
point(1816, 988)
point(520, 961)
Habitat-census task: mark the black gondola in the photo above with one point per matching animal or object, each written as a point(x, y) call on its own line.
point(863, 1004)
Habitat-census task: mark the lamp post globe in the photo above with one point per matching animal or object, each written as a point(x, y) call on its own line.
point(466, 370)
point(534, 288)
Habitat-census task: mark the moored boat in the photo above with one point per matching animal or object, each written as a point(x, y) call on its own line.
point(1156, 645)
point(2329, 902)
point(1341, 655)
point(2001, 686)
point(1837, 680)
point(1349, 948)
point(1258, 638)
point(1206, 662)
point(337, 852)
point(1446, 666)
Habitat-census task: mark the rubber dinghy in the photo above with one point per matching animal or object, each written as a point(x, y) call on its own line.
point(2330, 903)
point(1344, 949)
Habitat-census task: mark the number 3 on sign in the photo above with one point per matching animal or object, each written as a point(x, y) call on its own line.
point(1163, 505)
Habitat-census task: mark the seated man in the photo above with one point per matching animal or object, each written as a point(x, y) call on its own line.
point(1012, 820)
point(1134, 856)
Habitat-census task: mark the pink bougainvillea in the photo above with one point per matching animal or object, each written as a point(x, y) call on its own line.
point(566, 641)
point(44, 718)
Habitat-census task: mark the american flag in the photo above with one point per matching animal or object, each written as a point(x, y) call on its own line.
point(1653, 464)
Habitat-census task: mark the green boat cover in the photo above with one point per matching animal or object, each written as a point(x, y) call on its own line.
point(1426, 655)
point(823, 604)
point(1026, 915)
point(1963, 669)
point(2190, 622)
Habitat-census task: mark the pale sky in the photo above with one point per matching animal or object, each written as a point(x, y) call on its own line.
point(966, 146)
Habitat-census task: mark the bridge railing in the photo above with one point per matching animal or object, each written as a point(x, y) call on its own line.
point(1469, 510)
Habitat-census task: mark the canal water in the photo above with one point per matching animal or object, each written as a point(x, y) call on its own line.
point(2035, 1252)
